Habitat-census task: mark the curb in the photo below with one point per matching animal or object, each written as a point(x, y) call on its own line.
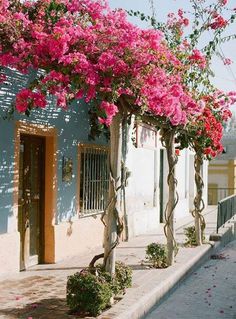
point(138, 301)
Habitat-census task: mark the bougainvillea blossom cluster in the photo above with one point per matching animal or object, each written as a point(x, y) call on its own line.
point(198, 58)
point(218, 22)
point(206, 130)
point(88, 51)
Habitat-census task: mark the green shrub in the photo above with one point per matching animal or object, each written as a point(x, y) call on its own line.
point(190, 233)
point(156, 254)
point(87, 293)
point(90, 291)
point(122, 279)
point(191, 239)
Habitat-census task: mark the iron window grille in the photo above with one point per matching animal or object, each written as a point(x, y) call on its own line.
point(93, 179)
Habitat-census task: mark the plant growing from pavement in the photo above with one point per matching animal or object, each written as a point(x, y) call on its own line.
point(156, 254)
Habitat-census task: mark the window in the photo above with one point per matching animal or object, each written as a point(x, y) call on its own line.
point(94, 179)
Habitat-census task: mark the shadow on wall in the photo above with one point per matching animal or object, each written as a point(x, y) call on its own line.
point(72, 127)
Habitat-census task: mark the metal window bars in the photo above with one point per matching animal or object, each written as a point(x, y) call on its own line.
point(94, 179)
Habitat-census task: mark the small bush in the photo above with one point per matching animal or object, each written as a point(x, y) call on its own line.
point(190, 233)
point(122, 279)
point(90, 291)
point(123, 276)
point(87, 293)
point(156, 254)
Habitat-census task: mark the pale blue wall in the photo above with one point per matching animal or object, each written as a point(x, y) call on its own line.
point(73, 127)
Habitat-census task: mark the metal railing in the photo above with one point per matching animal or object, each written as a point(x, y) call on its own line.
point(217, 194)
point(226, 210)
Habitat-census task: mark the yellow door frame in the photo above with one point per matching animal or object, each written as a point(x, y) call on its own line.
point(50, 134)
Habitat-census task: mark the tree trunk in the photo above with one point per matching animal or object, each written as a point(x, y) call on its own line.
point(169, 139)
point(112, 218)
point(198, 201)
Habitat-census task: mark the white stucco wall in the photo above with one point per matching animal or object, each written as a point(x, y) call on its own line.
point(142, 191)
point(191, 181)
point(141, 197)
point(182, 208)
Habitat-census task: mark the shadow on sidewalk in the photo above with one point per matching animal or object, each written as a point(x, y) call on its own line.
point(51, 308)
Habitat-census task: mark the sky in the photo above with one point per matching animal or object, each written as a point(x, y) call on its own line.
point(225, 77)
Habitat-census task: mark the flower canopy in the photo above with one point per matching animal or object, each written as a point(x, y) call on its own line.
point(86, 50)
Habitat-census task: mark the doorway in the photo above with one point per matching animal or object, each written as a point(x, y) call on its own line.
point(31, 199)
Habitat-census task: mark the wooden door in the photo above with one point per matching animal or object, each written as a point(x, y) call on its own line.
point(31, 199)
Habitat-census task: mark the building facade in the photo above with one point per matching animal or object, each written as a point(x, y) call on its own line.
point(54, 182)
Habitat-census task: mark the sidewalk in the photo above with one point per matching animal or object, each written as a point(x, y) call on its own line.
point(39, 293)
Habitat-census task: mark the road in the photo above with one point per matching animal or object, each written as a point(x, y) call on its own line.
point(209, 293)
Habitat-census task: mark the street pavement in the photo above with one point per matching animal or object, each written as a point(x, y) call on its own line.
point(39, 293)
point(209, 293)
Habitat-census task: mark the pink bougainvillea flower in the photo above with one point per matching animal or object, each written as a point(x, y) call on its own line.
point(177, 152)
point(227, 61)
point(198, 58)
point(218, 22)
point(223, 2)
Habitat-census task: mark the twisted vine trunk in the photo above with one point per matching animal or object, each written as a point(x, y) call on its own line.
point(198, 200)
point(112, 218)
point(169, 139)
